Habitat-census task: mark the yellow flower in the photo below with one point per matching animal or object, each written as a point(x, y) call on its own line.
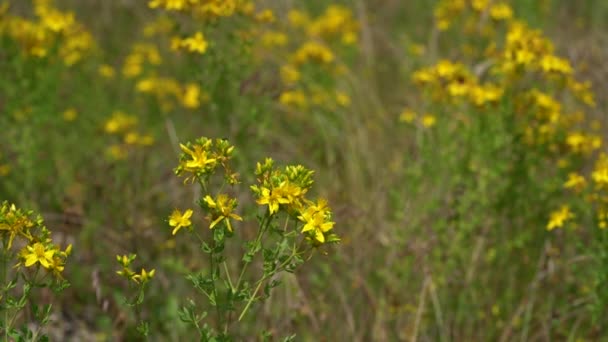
point(125, 260)
point(38, 253)
point(266, 16)
point(196, 43)
point(313, 51)
point(15, 223)
point(200, 158)
point(192, 96)
point(5, 169)
point(170, 5)
point(342, 99)
point(293, 98)
point(600, 176)
point(272, 198)
point(116, 152)
point(407, 116)
point(222, 208)
point(290, 74)
point(501, 11)
point(429, 120)
point(559, 217)
point(457, 88)
point(297, 18)
point(271, 39)
point(575, 181)
point(550, 63)
point(55, 20)
point(179, 220)
point(126, 272)
point(316, 220)
point(143, 277)
point(416, 49)
point(119, 122)
point(70, 114)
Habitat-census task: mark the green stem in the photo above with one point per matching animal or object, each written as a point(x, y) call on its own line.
point(250, 301)
point(4, 285)
point(261, 281)
point(214, 271)
point(228, 276)
point(258, 239)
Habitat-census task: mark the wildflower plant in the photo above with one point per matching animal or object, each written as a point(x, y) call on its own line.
point(137, 286)
point(30, 261)
point(523, 116)
point(290, 227)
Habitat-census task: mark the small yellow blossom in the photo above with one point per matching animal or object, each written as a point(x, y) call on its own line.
point(271, 39)
point(313, 51)
point(342, 99)
point(116, 152)
point(179, 220)
point(559, 217)
point(273, 199)
point(293, 98)
point(192, 96)
point(297, 18)
point(501, 11)
point(200, 158)
point(407, 116)
point(575, 181)
point(106, 71)
point(70, 114)
point(429, 120)
point(316, 220)
point(196, 43)
point(266, 16)
point(143, 277)
point(222, 208)
point(290, 74)
point(38, 253)
point(5, 169)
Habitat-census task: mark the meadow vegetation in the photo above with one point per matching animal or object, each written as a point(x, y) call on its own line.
point(362, 170)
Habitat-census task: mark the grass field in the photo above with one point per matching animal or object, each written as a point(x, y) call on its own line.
point(361, 170)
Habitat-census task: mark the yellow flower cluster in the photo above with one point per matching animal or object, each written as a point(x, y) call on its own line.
point(202, 8)
point(312, 52)
point(279, 189)
point(409, 116)
point(140, 278)
point(125, 126)
point(51, 28)
point(337, 22)
point(142, 63)
point(177, 220)
point(141, 54)
point(168, 92)
point(321, 37)
point(593, 188)
point(525, 60)
point(221, 209)
point(527, 50)
point(201, 158)
point(195, 44)
point(26, 228)
point(559, 217)
point(519, 67)
point(457, 82)
point(285, 190)
point(448, 11)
